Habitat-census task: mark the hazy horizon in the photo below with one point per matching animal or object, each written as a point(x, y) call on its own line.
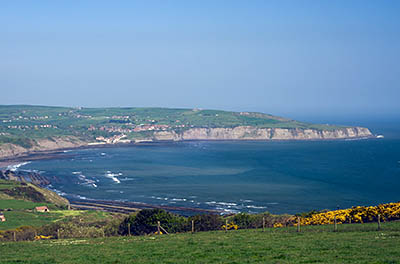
point(288, 58)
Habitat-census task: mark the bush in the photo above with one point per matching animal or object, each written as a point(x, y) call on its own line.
point(145, 222)
point(127, 222)
point(207, 222)
point(244, 221)
point(70, 230)
point(21, 234)
point(112, 228)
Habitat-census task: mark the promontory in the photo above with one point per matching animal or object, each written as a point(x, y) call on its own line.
point(28, 129)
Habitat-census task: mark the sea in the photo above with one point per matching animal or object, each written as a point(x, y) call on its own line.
point(236, 176)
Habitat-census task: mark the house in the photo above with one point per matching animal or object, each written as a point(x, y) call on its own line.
point(2, 218)
point(42, 209)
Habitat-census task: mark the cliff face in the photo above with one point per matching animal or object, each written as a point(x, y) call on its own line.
point(236, 133)
point(253, 133)
point(11, 150)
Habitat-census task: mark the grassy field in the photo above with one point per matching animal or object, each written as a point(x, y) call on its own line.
point(20, 218)
point(355, 243)
point(22, 205)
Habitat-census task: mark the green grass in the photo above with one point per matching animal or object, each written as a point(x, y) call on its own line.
point(17, 219)
point(23, 214)
point(5, 185)
point(22, 205)
point(356, 243)
point(15, 195)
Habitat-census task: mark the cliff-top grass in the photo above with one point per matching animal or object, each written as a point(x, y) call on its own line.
point(353, 243)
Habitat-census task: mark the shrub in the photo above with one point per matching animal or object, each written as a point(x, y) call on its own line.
point(21, 233)
point(244, 221)
point(145, 222)
point(112, 228)
point(207, 222)
point(70, 230)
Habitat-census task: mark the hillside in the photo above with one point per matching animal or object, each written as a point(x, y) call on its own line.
point(31, 193)
point(40, 128)
point(354, 243)
point(18, 201)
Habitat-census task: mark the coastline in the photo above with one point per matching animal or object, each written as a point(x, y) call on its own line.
point(62, 152)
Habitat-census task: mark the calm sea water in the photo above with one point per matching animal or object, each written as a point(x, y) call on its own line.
point(279, 177)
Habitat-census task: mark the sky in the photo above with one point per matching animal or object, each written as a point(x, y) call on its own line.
point(282, 57)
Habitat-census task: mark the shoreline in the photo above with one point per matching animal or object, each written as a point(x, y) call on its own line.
point(62, 152)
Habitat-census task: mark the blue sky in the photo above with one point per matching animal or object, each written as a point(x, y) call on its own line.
point(280, 57)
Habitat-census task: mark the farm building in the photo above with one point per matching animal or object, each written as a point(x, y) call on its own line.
point(42, 209)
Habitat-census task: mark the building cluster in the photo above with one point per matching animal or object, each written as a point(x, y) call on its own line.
point(23, 127)
point(150, 127)
point(120, 117)
point(114, 139)
point(18, 118)
point(137, 128)
point(82, 116)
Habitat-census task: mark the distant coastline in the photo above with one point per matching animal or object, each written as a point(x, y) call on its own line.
point(42, 131)
point(58, 153)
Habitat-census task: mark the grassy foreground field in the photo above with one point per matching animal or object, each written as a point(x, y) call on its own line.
point(355, 243)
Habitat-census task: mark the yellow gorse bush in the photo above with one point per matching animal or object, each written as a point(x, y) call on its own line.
point(356, 214)
point(41, 237)
point(231, 226)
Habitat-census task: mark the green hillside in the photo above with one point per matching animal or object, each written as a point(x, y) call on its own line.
point(22, 124)
point(354, 243)
point(27, 192)
point(19, 200)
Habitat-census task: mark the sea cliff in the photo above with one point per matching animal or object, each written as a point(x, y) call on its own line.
point(9, 150)
point(254, 133)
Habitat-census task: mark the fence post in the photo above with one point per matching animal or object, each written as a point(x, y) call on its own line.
point(15, 236)
point(298, 224)
point(192, 226)
point(350, 220)
point(335, 224)
point(263, 223)
point(129, 229)
point(226, 225)
point(58, 233)
point(379, 222)
point(158, 228)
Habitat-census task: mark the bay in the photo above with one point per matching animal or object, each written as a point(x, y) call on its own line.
point(279, 177)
